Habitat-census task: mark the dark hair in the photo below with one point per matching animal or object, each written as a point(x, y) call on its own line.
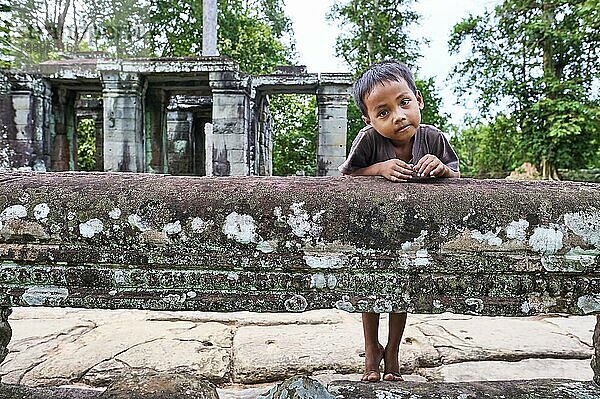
point(385, 71)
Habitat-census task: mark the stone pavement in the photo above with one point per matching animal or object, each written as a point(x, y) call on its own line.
point(245, 353)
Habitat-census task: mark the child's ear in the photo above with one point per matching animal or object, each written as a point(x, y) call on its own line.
point(366, 119)
point(420, 100)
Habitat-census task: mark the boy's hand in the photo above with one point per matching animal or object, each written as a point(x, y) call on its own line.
point(395, 170)
point(430, 165)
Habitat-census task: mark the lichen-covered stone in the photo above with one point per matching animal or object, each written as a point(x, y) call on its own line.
point(295, 244)
point(298, 388)
point(160, 386)
point(530, 389)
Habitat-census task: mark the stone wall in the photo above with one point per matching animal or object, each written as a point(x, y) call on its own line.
point(295, 244)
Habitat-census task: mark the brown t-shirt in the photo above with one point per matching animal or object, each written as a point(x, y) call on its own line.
point(369, 148)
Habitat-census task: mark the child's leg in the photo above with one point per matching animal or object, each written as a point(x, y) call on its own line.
point(391, 363)
point(373, 349)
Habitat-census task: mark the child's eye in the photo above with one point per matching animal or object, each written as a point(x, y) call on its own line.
point(405, 102)
point(382, 113)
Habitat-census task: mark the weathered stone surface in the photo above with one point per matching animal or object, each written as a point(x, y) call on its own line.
point(160, 386)
point(56, 346)
point(527, 369)
point(22, 392)
point(223, 241)
point(532, 389)
point(307, 349)
point(95, 353)
point(510, 339)
point(298, 388)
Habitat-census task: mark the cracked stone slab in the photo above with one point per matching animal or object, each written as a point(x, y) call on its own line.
point(70, 361)
point(277, 352)
point(572, 369)
point(493, 338)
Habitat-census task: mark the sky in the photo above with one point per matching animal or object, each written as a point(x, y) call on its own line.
point(315, 40)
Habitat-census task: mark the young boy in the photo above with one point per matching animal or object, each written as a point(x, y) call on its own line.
point(395, 145)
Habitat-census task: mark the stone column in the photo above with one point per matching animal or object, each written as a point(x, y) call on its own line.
point(179, 143)
point(25, 101)
point(123, 122)
point(230, 119)
point(64, 131)
point(156, 130)
point(332, 103)
point(209, 28)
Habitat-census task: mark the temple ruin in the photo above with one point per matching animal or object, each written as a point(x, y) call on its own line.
point(184, 116)
point(192, 116)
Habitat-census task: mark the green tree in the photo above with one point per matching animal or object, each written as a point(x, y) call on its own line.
point(295, 135)
point(488, 149)
point(539, 59)
point(252, 33)
point(50, 29)
point(375, 30)
point(5, 28)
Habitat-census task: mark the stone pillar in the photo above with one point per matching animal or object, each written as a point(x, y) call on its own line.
point(230, 119)
point(209, 28)
point(123, 122)
point(596, 354)
point(63, 140)
point(332, 103)
point(25, 102)
point(156, 130)
point(179, 143)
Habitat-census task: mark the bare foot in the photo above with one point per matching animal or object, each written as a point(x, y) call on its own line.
point(391, 366)
point(392, 376)
point(372, 361)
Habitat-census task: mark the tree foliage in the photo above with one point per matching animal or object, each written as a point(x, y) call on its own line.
point(376, 30)
point(295, 136)
point(539, 59)
point(253, 33)
point(373, 30)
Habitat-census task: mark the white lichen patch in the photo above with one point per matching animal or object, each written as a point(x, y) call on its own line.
point(329, 261)
point(318, 281)
point(41, 211)
point(517, 230)
point(525, 307)
point(199, 226)
point(345, 304)
point(547, 240)
point(13, 212)
point(382, 306)
point(585, 257)
point(71, 215)
point(172, 228)
point(297, 303)
point(302, 224)
point(114, 213)
point(586, 225)
point(589, 303)
point(266, 247)
point(45, 296)
point(136, 221)
point(421, 258)
point(240, 228)
point(416, 243)
point(491, 238)
point(91, 228)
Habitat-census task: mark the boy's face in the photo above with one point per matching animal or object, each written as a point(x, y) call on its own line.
point(394, 111)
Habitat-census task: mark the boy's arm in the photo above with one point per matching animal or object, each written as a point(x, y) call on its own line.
point(392, 169)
